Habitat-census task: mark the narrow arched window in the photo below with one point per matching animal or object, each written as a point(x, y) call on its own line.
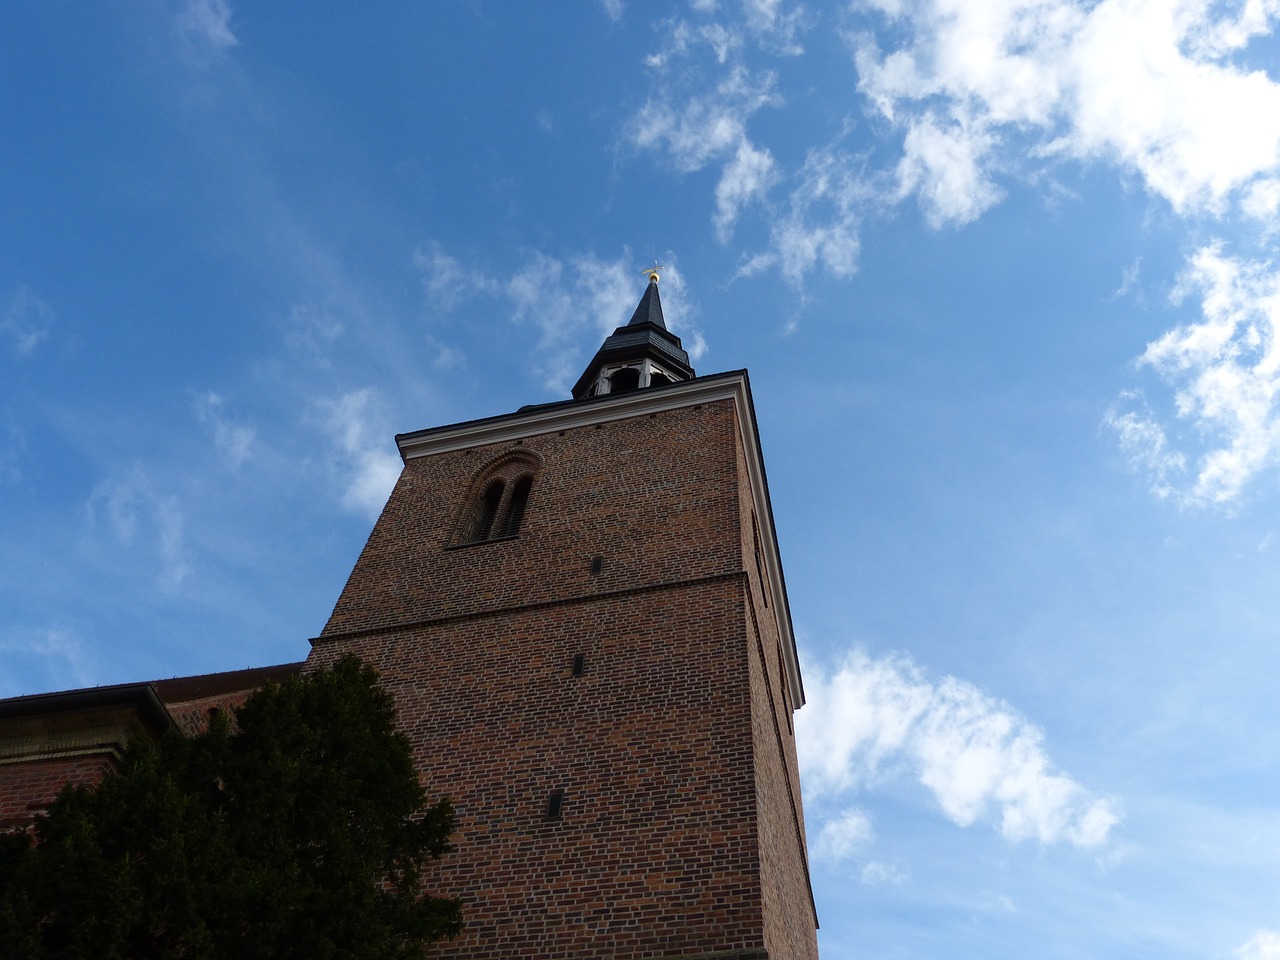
point(498, 500)
point(515, 509)
point(490, 502)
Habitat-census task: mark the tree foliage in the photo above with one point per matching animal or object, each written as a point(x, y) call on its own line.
point(298, 831)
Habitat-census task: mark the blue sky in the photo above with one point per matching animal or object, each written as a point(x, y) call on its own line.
point(1006, 275)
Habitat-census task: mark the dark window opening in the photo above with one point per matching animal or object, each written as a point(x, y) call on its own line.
point(515, 509)
point(628, 378)
point(555, 804)
point(597, 566)
point(657, 379)
point(579, 664)
point(490, 501)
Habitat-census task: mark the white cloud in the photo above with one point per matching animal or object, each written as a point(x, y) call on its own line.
point(368, 466)
point(746, 177)
point(60, 653)
point(776, 24)
point(232, 441)
point(1129, 280)
point(1145, 444)
point(27, 319)
point(1263, 945)
point(844, 836)
point(875, 873)
point(974, 93)
point(612, 9)
point(446, 281)
point(446, 358)
point(1225, 371)
point(570, 302)
point(1145, 84)
point(821, 224)
point(1262, 203)
point(872, 719)
point(310, 331)
point(141, 515)
point(708, 126)
point(206, 26)
point(13, 450)
point(942, 164)
point(539, 296)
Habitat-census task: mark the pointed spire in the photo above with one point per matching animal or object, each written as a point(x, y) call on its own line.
point(650, 307)
point(644, 353)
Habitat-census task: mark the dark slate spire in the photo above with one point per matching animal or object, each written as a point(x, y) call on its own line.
point(650, 308)
point(644, 353)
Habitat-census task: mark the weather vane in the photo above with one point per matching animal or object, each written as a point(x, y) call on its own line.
point(653, 271)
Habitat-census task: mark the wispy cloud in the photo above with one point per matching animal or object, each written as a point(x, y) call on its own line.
point(13, 451)
point(444, 278)
point(233, 441)
point(843, 836)
point(573, 302)
point(205, 27)
point(871, 719)
point(27, 319)
point(1263, 945)
point(1225, 373)
point(821, 225)
point(140, 515)
point(876, 872)
point(367, 464)
point(310, 331)
point(1129, 281)
point(55, 654)
point(1144, 444)
point(707, 126)
point(746, 177)
point(705, 123)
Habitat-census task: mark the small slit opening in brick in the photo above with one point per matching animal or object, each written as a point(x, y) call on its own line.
point(597, 566)
point(579, 664)
point(555, 804)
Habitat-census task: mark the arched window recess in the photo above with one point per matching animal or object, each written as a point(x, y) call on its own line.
point(498, 499)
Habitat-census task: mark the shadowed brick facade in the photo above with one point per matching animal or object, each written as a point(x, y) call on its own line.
point(52, 739)
point(646, 554)
point(580, 611)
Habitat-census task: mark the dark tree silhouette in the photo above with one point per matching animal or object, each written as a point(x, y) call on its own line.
point(298, 831)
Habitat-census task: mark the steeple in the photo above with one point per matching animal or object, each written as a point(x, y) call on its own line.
point(644, 353)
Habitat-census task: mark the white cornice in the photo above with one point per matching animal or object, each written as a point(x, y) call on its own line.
point(552, 418)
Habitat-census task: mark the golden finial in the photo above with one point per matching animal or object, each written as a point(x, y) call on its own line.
point(653, 271)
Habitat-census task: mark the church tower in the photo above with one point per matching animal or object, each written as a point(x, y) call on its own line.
point(580, 610)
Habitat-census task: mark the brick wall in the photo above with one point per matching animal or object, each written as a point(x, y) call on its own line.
point(27, 788)
point(789, 911)
point(676, 811)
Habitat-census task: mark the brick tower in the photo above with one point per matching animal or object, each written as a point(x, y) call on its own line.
point(580, 610)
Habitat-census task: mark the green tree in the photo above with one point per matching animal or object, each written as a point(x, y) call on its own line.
point(298, 831)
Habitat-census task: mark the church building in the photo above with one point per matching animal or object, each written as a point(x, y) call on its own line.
point(580, 611)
